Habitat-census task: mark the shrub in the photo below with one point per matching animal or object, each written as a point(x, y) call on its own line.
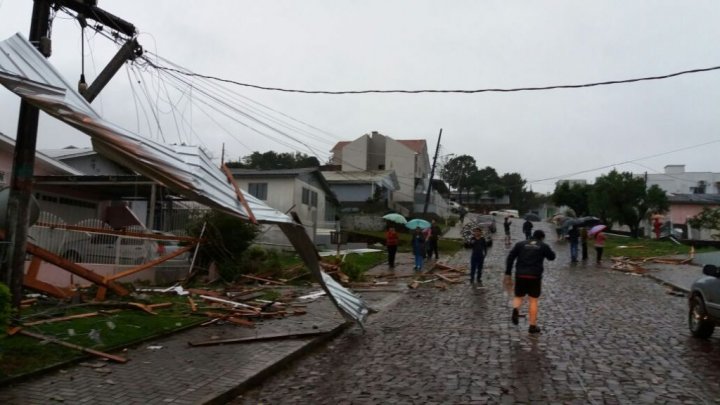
point(4, 307)
point(353, 271)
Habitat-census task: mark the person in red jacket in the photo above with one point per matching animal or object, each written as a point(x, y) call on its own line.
point(391, 241)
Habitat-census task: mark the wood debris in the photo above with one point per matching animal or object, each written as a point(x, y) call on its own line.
point(94, 352)
point(257, 338)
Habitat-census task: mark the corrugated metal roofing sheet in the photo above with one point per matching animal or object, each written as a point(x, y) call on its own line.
point(187, 170)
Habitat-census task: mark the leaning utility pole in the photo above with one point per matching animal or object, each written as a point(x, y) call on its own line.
point(432, 174)
point(12, 269)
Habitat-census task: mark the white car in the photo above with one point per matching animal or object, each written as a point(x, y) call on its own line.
point(506, 213)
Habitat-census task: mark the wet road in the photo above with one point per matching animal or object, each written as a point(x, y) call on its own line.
point(608, 337)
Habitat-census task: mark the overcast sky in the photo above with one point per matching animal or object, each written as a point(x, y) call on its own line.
point(357, 45)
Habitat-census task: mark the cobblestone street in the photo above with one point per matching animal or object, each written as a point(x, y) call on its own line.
point(607, 337)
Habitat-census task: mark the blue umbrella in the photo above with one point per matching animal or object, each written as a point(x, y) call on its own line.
point(418, 223)
point(394, 217)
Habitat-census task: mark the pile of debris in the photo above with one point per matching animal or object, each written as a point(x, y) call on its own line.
point(635, 266)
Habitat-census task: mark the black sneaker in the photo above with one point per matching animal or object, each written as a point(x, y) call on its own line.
point(480, 284)
point(515, 316)
point(533, 329)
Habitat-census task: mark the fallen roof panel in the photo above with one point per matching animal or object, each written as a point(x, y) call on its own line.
point(187, 170)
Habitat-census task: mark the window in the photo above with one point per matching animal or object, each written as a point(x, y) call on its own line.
point(309, 197)
point(258, 190)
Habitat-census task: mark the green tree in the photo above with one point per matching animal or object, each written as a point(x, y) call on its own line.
point(624, 198)
point(514, 186)
point(457, 171)
point(708, 218)
point(576, 197)
point(273, 160)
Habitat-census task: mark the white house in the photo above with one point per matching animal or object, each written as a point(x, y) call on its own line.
point(676, 180)
point(408, 158)
point(303, 191)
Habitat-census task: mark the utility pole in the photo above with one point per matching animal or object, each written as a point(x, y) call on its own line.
point(18, 207)
point(432, 174)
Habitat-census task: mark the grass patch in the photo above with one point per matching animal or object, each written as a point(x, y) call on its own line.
point(22, 355)
point(642, 248)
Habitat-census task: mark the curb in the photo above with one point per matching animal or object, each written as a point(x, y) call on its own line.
point(667, 283)
point(268, 371)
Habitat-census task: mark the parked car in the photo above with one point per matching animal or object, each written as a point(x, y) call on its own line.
point(506, 213)
point(704, 303)
point(166, 247)
point(104, 249)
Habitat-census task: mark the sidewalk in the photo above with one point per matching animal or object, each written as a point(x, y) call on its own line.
point(681, 276)
point(168, 370)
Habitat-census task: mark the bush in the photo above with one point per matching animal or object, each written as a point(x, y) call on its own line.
point(4, 307)
point(353, 271)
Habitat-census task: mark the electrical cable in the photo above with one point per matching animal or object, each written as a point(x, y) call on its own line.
point(488, 90)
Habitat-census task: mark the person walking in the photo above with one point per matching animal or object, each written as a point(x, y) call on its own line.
point(527, 228)
point(418, 245)
point(432, 240)
point(583, 243)
point(477, 257)
point(506, 227)
point(391, 242)
point(573, 237)
point(528, 257)
point(599, 245)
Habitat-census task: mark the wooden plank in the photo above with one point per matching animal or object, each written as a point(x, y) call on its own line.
point(150, 264)
point(239, 194)
point(193, 305)
point(76, 269)
point(94, 352)
point(448, 279)
point(257, 338)
point(261, 279)
point(47, 288)
point(34, 268)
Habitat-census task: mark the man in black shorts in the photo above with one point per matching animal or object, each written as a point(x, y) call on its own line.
point(529, 255)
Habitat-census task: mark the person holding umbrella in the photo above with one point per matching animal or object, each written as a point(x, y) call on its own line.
point(599, 240)
point(528, 257)
point(391, 242)
point(418, 245)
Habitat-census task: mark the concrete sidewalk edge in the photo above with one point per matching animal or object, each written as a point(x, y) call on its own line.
point(260, 376)
point(668, 283)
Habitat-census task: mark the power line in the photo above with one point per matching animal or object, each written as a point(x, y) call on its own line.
point(488, 90)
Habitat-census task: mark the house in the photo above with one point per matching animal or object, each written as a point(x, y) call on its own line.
point(87, 161)
point(303, 191)
point(408, 158)
point(688, 193)
point(677, 181)
point(355, 189)
point(44, 164)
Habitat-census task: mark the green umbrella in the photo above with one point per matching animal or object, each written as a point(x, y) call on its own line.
point(394, 217)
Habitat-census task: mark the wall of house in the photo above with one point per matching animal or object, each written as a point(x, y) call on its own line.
point(376, 152)
point(400, 158)
point(96, 165)
point(686, 182)
point(680, 213)
point(68, 207)
point(308, 214)
point(6, 162)
point(355, 155)
point(352, 192)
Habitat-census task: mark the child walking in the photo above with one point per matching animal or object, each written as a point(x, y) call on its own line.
point(477, 257)
point(599, 246)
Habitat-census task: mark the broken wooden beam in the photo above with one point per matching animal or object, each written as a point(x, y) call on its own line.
point(262, 279)
point(257, 338)
point(94, 352)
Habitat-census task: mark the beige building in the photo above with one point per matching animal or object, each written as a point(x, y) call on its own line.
point(408, 158)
